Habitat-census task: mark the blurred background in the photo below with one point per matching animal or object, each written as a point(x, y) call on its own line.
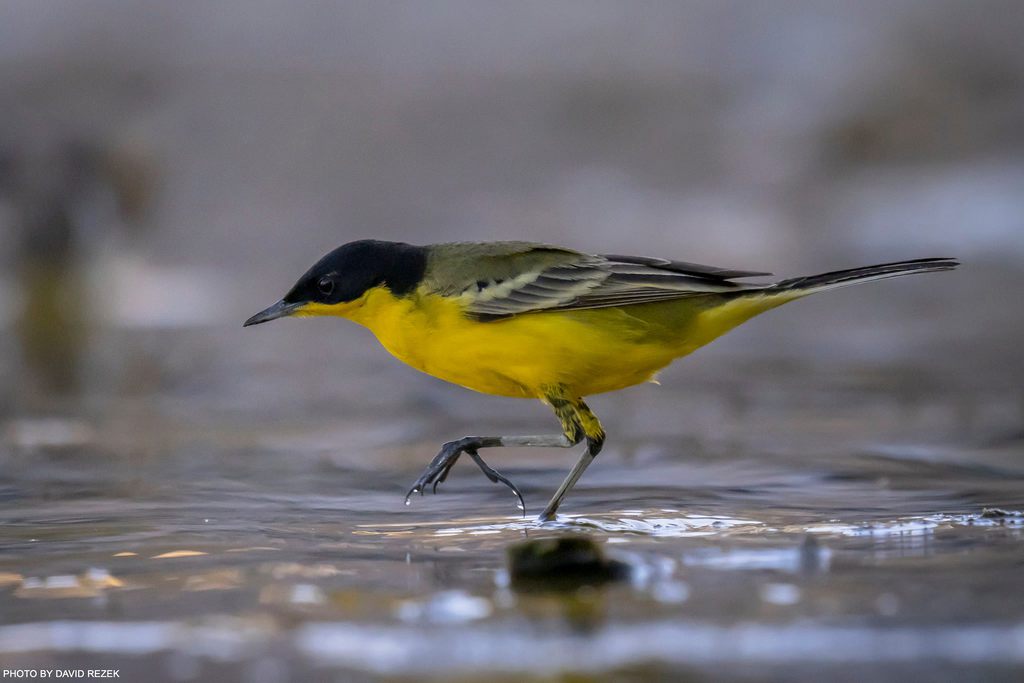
point(169, 168)
point(178, 165)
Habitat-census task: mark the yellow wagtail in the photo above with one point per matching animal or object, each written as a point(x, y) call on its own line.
point(538, 321)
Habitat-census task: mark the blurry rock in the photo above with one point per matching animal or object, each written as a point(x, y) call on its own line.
point(562, 563)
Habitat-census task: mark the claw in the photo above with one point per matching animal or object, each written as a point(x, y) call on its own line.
point(496, 477)
point(441, 466)
point(436, 472)
point(444, 474)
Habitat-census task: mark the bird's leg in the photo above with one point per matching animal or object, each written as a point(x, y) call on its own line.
point(438, 469)
point(591, 430)
point(577, 421)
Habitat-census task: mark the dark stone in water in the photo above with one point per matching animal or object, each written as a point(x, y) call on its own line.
point(562, 563)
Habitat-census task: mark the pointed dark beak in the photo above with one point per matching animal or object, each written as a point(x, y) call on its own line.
point(281, 309)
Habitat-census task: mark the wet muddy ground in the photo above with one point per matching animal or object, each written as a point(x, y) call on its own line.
point(215, 506)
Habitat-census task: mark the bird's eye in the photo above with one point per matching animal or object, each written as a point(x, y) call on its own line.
point(326, 286)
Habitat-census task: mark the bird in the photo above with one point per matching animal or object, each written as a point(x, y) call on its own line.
point(538, 321)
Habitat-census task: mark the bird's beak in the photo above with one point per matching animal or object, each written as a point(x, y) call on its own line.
point(281, 309)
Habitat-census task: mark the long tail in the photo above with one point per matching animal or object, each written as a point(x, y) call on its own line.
point(852, 276)
point(744, 304)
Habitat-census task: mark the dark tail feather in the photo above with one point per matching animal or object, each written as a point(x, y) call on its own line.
point(842, 278)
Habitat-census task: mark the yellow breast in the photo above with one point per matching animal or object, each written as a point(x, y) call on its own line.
point(585, 351)
point(516, 357)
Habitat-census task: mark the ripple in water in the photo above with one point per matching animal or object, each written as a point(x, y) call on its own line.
point(921, 525)
point(659, 523)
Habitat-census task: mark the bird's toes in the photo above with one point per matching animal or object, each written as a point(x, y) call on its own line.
point(432, 477)
point(409, 495)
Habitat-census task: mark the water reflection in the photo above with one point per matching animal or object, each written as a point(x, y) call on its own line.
point(395, 596)
point(376, 648)
point(641, 522)
point(657, 523)
point(805, 558)
point(446, 607)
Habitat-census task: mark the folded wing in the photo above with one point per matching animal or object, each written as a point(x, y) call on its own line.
point(506, 279)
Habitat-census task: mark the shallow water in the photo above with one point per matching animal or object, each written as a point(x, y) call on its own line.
point(782, 522)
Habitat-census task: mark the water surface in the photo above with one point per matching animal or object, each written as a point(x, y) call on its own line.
point(858, 526)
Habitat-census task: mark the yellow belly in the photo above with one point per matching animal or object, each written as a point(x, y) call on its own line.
point(585, 351)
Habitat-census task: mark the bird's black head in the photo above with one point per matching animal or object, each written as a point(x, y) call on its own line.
point(338, 281)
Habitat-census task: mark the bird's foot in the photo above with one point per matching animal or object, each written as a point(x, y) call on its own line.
point(439, 468)
point(495, 476)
